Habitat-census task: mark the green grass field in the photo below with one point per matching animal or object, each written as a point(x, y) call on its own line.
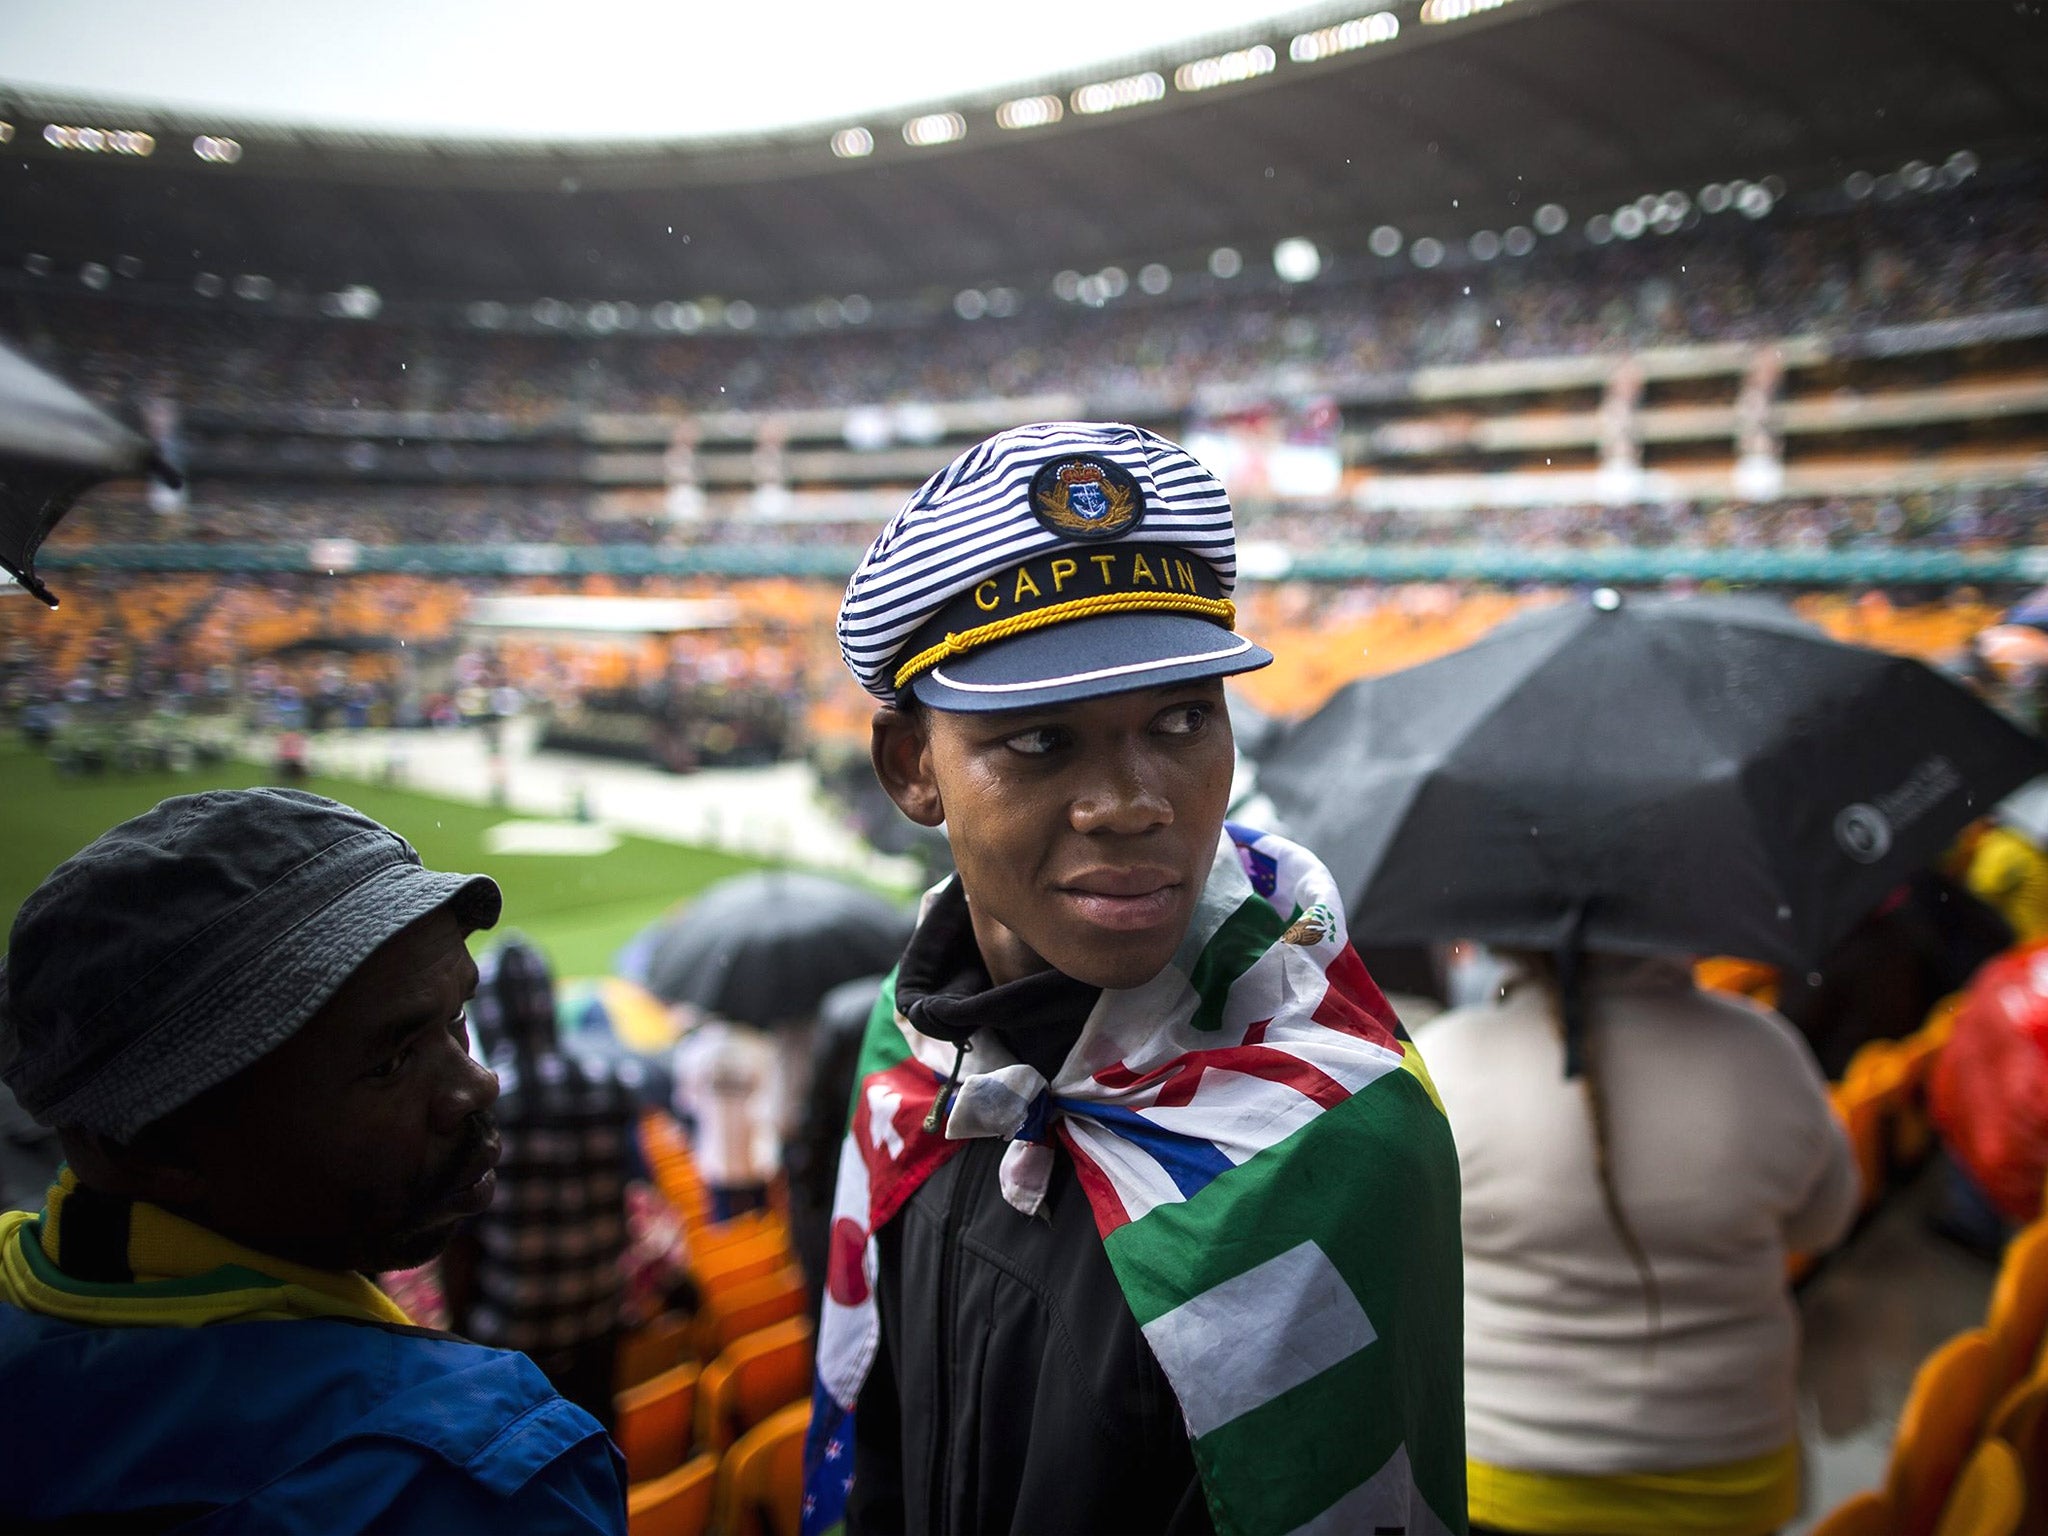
point(578, 909)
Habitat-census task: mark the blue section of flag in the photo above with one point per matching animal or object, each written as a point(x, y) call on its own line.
point(1259, 868)
point(828, 1464)
point(1189, 1161)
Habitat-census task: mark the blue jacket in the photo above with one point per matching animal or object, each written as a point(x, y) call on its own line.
point(303, 1426)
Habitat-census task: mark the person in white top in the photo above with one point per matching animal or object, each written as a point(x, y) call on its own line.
point(1626, 1236)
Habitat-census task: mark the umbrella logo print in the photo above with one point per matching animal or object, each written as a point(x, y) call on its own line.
point(1864, 832)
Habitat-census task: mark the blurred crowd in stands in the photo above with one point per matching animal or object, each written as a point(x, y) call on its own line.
point(1949, 518)
point(1964, 251)
point(227, 512)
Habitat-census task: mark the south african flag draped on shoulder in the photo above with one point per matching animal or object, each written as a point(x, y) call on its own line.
point(1276, 1188)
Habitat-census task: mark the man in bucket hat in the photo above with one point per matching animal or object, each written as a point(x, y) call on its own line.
point(1147, 1217)
point(243, 1012)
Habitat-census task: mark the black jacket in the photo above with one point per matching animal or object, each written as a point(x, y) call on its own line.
point(1013, 1391)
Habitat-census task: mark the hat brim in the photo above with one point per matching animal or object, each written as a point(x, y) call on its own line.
point(254, 1011)
point(1086, 659)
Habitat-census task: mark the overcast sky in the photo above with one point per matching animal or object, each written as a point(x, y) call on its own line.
point(580, 69)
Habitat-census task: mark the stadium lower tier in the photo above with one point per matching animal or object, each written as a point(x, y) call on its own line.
point(399, 649)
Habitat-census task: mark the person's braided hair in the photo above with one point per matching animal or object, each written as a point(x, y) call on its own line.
point(1540, 968)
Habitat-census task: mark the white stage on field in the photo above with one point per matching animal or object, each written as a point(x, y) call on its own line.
point(775, 812)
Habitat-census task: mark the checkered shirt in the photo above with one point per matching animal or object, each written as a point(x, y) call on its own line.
point(549, 1247)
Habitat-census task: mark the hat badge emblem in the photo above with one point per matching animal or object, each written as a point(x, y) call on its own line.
point(1086, 497)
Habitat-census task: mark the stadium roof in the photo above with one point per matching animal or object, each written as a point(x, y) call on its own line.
point(1445, 117)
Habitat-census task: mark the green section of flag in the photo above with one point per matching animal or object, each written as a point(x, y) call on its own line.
point(1245, 935)
point(882, 1047)
point(1374, 1183)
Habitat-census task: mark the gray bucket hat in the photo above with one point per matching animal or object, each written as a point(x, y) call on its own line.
point(176, 949)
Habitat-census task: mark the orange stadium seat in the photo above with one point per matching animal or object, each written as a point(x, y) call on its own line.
point(1937, 1428)
point(646, 1352)
point(1862, 1514)
point(760, 1373)
point(761, 1479)
point(678, 1504)
point(738, 1263)
point(1990, 1494)
point(1862, 1115)
point(2018, 1315)
point(654, 1420)
point(731, 1312)
point(2021, 1421)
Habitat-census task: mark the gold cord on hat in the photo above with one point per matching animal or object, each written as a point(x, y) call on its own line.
point(1217, 610)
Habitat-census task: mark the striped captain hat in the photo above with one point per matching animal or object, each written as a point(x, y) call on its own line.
point(1049, 563)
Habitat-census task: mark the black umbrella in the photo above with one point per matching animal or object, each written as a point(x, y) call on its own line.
point(762, 948)
point(54, 443)
point(1649, 776)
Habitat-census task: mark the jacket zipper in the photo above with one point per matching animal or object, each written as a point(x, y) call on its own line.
point(956, 1201)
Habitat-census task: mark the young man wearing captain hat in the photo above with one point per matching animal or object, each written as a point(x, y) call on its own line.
point(1147, 1216)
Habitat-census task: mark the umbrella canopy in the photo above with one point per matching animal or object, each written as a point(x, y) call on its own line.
point(1646, 776)
point(763, 948)
point(53, 444)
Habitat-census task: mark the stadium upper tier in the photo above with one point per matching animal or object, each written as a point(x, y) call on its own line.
point(1899, 348)
point(1439, 122)
point(1958, 251)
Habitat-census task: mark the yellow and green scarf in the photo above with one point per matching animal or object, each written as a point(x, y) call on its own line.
point(95, 1258)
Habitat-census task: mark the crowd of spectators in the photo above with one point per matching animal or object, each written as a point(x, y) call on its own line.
point(221, 512)
point(1966, 250)
point(1957, 519)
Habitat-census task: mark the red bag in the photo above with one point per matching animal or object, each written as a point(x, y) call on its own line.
point(1990, 1089)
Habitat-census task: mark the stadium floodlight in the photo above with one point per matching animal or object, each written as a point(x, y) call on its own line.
point(1067, 286)
point(827, 313)
point(128, 266)
point(1551, 219)
point(970, 303)
point(6, 133)
point(36, 264)
point(1296, 260)
point(857, 309)
point(1224, 262)
point(1225, 68)
point(1115, 95)
point(1115, 282)
point(934, 128)
point(95, 275)
point(852, 143)
point(1715, 197)
point(99, 141)
point(1955, 170)
point(1918, 175)
point(1427, 252)
point(1857, 184)
point(1519, 240)
point(740, 315)
point(1155, 277)
point(1359, 32)
point(358, 301)
point(1753, 201)
point(208, 285)
point(550, 313)
point(215, 150)
point(1002, 302)
point(1600, 229)
point(1629, 222)
point(1436, 12)
point(1484, 245)
point(1384, 241)
point(254, 287)
point(1030, 112)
